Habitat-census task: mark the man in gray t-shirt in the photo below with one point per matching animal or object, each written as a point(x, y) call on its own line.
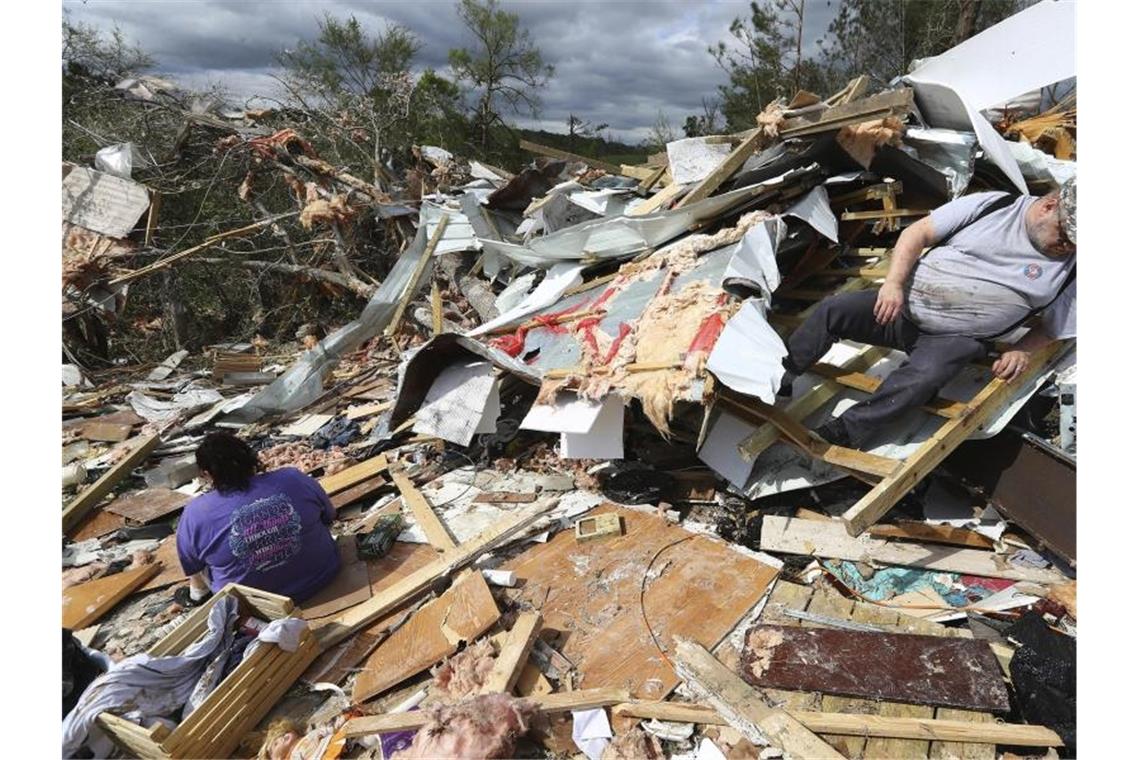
point(995, 260)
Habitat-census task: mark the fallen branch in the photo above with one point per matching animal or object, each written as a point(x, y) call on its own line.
point(358, 287)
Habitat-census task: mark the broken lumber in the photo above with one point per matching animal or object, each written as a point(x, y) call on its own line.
point(912, 530)
point(566, 155)
point(94, 493)
point(887, 103)
point(790, 535)
point(862, 725)
point(414, 584)
point(513, 653)
point(726, 169)
point(662, 197)
point(930, 454)
point(436, 532)
point(744, 708)
point(565, 701)
point(352, 476)
point(85, 603)
point(433, 633)
point(413, 282)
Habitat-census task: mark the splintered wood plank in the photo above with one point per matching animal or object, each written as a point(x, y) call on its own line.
point(532, 682)
point(787, 596)
point(937, 534)
point(348, 588)
point(429, 522)
point(505, 497)
point(148, 504)
point(357, 492)
point(166, 555)
point(434, 632)
point(882, 747)
point(85, 603)
point(925, 670)
point(142, 446)
point(105, 431)
point(591, 593)
point(350, 476)
point(943, 750)
point(744, 708)
point(97, 524)
point(829, 539)
point(513, 653)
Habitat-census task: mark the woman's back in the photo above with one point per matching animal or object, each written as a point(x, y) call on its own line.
point(273, 535)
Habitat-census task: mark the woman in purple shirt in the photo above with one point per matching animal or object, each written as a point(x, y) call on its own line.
point(265, 530)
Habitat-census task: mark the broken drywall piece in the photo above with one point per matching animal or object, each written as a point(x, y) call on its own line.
point(693, 158)
point(461, 398)
point(604, 439)
point(747, 356)
point(559, 279)
point(568, 414)
point(719, 449)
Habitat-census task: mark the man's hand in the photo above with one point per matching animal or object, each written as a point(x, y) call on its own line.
point(889, 303)
point(1011, 364)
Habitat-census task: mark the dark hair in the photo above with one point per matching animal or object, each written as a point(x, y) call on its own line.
point(229, 461)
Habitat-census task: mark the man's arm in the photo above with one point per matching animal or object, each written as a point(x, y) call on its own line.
point(1015, 359)
point(908, 249)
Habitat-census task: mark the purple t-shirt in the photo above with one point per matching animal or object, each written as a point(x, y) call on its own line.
point(273, 536)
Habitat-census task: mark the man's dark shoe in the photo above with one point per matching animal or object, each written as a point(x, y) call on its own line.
point(786, 381)
point(834, 431)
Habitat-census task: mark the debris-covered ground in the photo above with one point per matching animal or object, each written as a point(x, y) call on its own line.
point(574, 518)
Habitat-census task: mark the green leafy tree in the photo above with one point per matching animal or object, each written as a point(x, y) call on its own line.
point(881, 38)
point(765, 59)
point(504, 68)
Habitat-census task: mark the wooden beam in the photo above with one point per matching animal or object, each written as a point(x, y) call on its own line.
point(912, 530)
point(436, 309)
point(584, 699)
point(544, 150)
point(647, 183)
point(661, 198)
point(78, 508)
point(513, 654)
point(744, 708)
point(415, 583)
point(943, 407)
point(814, 538)
point(410, 290)
point(886, 103)
point(872, 193)
point(799, 408)
point(855, 216)
point(436, 532)
point(726, 169)
point(862, 725)
point(354, 475)
point(930, 454)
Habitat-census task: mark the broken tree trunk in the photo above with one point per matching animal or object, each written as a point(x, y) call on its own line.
point(477, 292)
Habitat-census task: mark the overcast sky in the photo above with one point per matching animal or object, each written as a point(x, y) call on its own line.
point(616, 61)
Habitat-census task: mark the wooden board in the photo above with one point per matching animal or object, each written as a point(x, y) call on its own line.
point(830, 539)
point(937, 534)
point(505, 497)
point(401, 560)
point(349, 587)
point(148, 504)
point(97, 524)
point(105, 431)
point(166, 555)
point(429, 522)
point(590, 592)
point(307, 425)
point(727, 168)
point(922, 670)
point(351, 476)
point(513, 653)
point(142, 446)
point(85, 603)
point(359, 491)
point(434, 632)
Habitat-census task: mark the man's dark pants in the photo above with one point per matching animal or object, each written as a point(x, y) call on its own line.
point(932, 359)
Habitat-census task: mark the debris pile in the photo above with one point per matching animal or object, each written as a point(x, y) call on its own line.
point(685, 569)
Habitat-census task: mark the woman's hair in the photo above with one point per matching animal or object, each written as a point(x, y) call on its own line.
point(229, 461)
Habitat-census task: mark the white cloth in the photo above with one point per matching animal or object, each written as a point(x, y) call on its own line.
point(591, 732)
point(142, 686)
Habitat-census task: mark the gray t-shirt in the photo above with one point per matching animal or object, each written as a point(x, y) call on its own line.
point(988, 276)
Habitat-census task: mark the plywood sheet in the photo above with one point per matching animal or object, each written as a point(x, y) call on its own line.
point(349, 587)
point(148, 504)
point(85, 603)
point(97, 524)
point(922, 670)
point(591, 593)
point(167, 555)
point(434, 632)
point(403, 559)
